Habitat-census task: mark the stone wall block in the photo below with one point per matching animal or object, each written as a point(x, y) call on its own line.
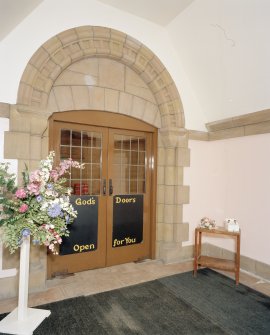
point(168, 232)
point(178, 213)
point(68, 36)
point(51, 70)
point(88, 47)
point(19, 122)
point(72, 78)
point(5, 109)
point(111, 74)
point(118, 36)
point(61, 59)
point(44, 146)
point(74, 51)
point(161, 81)
point(52, 45)
point(39, 58)
point(169, 211)
point(38, 125)
point(84, 32)
point(102, 47)
point(129, 55)
point(16, 145)
point(116, 49)
point(169, 175)
point(149, 74)
point(183, 157)
point(181, 232)
point(97, 98)
point(179, 175)
point(52, 105)
point(63, 96)
point(159, 232)
point(160, 213)
point(161, 156)
point(136, 86)
point(150, 113)
point(160, 194)
point(35, 147)
point(138, 107)
point(80, 97)
point(29, 75)
point(24, 94)
point(125, 103)
point(161, 175)
point(102, 32)
point(182, 194)
point(42, 83)
point(169, 195)
point(157, 65)
point(170, 156)
point(111, 100)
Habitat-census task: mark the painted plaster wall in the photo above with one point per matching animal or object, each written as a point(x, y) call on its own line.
point(53, 17)
point(223, 49)
point(231, 178)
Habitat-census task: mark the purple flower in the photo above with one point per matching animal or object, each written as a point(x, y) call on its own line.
point(39, 198)
point(25, 232)
point(54, 211)
point(50, 186)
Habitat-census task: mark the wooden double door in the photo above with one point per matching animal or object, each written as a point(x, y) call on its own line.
point(113, 193)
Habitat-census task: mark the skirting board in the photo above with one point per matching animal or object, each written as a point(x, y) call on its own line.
point(250, 265)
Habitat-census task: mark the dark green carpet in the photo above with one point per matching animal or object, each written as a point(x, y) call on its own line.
point(179, 304)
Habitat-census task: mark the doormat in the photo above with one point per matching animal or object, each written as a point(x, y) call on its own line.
point(180, 304)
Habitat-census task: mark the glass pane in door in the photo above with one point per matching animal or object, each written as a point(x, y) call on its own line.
point(86, 148)
point(129, 164)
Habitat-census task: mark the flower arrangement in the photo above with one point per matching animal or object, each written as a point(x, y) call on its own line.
point(41, 208)
point(207, 223)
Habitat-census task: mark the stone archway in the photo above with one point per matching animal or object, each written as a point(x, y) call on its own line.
point(38, 85)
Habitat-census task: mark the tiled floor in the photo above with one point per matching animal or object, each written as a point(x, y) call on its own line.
point(99, 280)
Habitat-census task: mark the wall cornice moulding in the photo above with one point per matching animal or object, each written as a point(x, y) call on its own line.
point(244, 125)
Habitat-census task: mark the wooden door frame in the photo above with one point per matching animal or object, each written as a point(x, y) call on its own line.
point(115, 120)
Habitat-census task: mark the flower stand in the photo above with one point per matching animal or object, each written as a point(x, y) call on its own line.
point(4, 273)
point(23, 320)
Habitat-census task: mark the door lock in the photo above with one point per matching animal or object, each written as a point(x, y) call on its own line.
point(110, 187)
point(104, 187)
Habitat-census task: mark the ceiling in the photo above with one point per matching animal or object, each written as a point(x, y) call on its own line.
point(12, 12)
point(161, 12)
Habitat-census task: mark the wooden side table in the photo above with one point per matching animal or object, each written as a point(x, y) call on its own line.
point(213, 262)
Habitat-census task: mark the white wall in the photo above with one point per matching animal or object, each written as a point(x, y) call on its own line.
point(52, 17)
point(223, 48)
point(231, 178)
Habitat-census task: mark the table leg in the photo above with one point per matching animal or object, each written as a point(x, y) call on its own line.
point(237, 260)
point(195, 267)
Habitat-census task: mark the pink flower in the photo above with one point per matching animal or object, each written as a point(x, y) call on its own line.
point(34, 188)
point(54, 175)
point(20, 193)
point(23, 208)
point(35, 176)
